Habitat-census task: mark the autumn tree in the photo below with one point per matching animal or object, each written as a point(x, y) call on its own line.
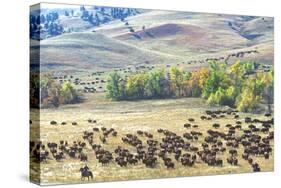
point(218, 78)
point(135, 86)
point(156, 83)
point(53, 94)
point(269, 89)
point(68, 94)
point(239, 86)
point(176, 79)
point(196, 82)
point(115, 86)
point(248, 99)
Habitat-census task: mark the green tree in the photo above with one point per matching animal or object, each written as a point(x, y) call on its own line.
point(223, 97)
point(135, 86)
point(237, 73)
point(53, 94)
point(269, 89)
point(264, 87)
point(66, 13)
point(213, 83)
point(247, 101)
point(155, 86)
point(218, 77)
point(68, 94)
point(176, 79)
point(115, 86)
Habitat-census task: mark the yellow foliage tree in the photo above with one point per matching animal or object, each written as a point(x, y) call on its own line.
point(176, 78)
point(196, 83)
point(135, 85)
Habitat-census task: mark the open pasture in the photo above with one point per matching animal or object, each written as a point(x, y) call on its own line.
point(153, 138)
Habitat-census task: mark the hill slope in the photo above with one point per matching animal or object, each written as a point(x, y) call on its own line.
point(160, 37)
point(93, 50)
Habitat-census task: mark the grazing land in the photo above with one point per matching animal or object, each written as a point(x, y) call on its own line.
point(135, 94)
point(128, 118)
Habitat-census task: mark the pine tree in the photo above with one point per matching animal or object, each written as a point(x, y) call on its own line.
point(42, 19)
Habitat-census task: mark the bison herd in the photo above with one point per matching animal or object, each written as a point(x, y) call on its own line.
point(96, 81)
point(220, 145)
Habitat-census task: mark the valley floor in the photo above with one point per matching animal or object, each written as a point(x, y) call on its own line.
point(128, 117)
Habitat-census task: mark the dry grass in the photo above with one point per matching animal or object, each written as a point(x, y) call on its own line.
point(169, 37)
point(128, 117)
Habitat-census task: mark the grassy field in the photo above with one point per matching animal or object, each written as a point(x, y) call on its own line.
point(128, 117)
point(152, 40)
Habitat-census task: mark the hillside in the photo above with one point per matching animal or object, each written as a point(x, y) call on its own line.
point(93, 50)
point(188, 34)
point(50, 22)
point(158, 37)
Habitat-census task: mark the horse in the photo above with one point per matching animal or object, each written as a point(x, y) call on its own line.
point(86, 174)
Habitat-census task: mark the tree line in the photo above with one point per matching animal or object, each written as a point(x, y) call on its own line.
point(104, 15)
point(238, 86)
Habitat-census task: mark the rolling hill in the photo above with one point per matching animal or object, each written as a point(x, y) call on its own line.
point(93, 50)
point(159, 37)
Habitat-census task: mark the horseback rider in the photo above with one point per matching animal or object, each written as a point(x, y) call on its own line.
point(86, 173)
point(86, 168)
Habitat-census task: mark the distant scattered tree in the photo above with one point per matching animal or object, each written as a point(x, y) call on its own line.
point(38, 20)
point(97, 19)
point(48, 18)
point(46, 26)
point(66, 13)
point(55, 16)
point(85, 15)
point(91, 18)
point(82, 8)
point(42, 19)
point(32, 19)
point(45, 23)
point(131, 30)
point(129, 11)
